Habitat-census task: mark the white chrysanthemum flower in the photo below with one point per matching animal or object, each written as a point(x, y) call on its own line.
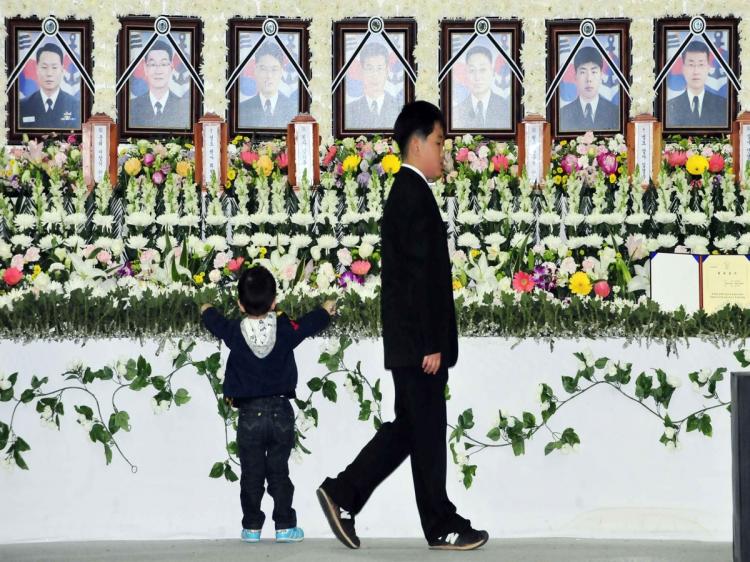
point(240, 239)
point(372, 239)
point(726, 244)
point(302, 219)
point(327, 242)
point(21, 240)
point(217, 242)
point(24, 221)
point(216, 220)
point(494, 239)
point(468, 217)
point(190, 221)
point(468, 240)
point(663, 217)
point(300, 241)
point(350, 240)
point(137, 242)
point(168, 219)
point(549, 219)
point(666, 240)
point(103, 221)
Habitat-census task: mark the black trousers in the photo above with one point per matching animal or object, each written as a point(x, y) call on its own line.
point(418, 432)
point(265, 438)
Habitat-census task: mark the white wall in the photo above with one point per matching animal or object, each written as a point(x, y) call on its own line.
point(622, 482)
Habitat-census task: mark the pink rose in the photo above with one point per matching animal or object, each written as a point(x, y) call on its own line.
point(158, 177)
point(104, 257)
point(607, 162)
point(330, 155)
point(463, 154)
point(71, 139)
point(87, 250)
point(235, 264)
point(361, 267)
point(283, 160)
point(221, 259)
point(500, 162)
point(601, 288)
point(676, 159)
point(289, 271)
point(589, 264)
point(32, 255)
point(148, 159)
point(17, 262)
point(12, 276)
point(716, 163)
point(249, 157)
point(569, 164)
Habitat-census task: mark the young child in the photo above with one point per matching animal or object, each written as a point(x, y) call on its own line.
point(260, 380)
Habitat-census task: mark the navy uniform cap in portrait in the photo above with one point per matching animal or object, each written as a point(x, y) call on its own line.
point(173, 112)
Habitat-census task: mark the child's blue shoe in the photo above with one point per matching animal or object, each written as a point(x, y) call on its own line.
point(248, 535)
point(295, 534)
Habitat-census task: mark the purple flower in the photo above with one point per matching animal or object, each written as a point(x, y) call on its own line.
point(148, 159)
point(607, 162)
point(569, 164)
point(158, 177)
point(363, 178)
point(125, 271)
point(543, 278)
point(166, 168)
point(349, 277)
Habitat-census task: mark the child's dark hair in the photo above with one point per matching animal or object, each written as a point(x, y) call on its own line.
point(416, 118)
point(257, 290)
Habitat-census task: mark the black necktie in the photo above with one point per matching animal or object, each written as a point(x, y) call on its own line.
point(49, 105)
point(374, 108)
point(267, 108)
point(589, 118)
point(696, 113)
point(157, 105)
point(480, 114)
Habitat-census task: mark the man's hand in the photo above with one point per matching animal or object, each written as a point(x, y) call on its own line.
point(205, 307)
point(431, 363)
point(330, 307)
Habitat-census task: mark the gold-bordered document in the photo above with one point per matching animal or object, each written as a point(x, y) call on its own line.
point(725, 280)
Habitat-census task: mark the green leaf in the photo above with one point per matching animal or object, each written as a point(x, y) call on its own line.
point(365, 410)
point(85, 411)
point(551, 446)
point(466, 419)
point(740, 356)
point(643, 386)
point(232, 448)
point(315, 384)
point(470, 471)
point(706, 428)
point(27, 396)
point(112, 425)
point(108, 453)
point(376, 394)
point(518, 447)
point(570, 384)
point(229, 473)
point(158, 382)
point(217, 470)
point(693, 423)
point(447, 392)
point(329, 390)
point(122, 419)
point(181, 397)
point(529, 421)
point(377, 422)
point(4, 435)
point(19, 460)
point(601, 363)
point(21, 445)
point(494, 434)
point(139, 382)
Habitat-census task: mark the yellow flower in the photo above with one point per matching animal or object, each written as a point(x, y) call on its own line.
point(264, 165)
point(391, 164)
point(456, 285)
point(263, 251)
point(563, 142)
point(132, 166)
point(183, 168)
point(351, 163)
point(557, 180)
point(559, 170)
point(697, 164)
point(612, 178)
point(474, 253)
point(231, 174)
point(37, 271)
point(198, 278)
point(579, 283)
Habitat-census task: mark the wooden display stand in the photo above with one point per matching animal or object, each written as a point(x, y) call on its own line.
point(534, 140)
point(99, 149)
point(303, 145)
point(210, 140)
point(644, 146)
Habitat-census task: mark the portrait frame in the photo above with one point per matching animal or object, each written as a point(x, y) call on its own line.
point(556, 30)
point(238, 26)
point(359, 26)
point(449, 28)
point(662, 30)
point(15, 27)
point(179, 25)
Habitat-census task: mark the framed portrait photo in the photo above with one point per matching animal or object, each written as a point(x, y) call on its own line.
point(269, 92)
point(480, 94)
point(696, 96)
point(376, 84)
point(49, 94)
point(160, 97)
point(589, 95)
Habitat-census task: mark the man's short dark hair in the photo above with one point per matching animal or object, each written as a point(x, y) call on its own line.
point(49, 48)
point(160, 46)
point(270, 50)
point(587, 55)
point(416, 118)
point(696, 47)
point(479, 50)
point(257, 290)
point(373, 49)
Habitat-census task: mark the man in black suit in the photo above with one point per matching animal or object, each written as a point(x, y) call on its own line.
point(589, 111)
point(49, 107)
point(482, 109)
point(376, 109)
point(696, 107)
point(160, 107)
point(420, 343)
point(269, 108)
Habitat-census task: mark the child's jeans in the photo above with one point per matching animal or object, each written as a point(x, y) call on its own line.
point(265, 438)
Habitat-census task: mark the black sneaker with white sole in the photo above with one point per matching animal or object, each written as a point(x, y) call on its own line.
point(468, 539)
point(340, 520)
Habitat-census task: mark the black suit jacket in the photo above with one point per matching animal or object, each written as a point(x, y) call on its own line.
point(713, 113)
point(252, 114)
point(497, 115)
point(417, 309)
point(175, 113)
point(359, 116)
point(606, 118)
point(65, 114)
